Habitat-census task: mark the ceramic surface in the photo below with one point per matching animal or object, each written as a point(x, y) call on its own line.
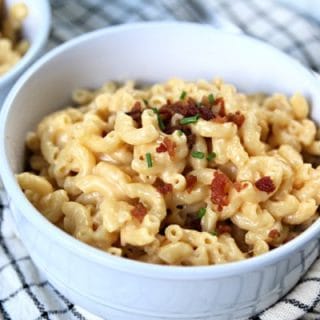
point(117, 288)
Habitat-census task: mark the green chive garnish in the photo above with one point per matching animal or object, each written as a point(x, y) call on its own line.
point(183, 95)
point(160, 120)
point(179, 133)
point(189, 120)
point(214, 233)
point(149, 159)
point(201, 213)
point(146, 102)
point(197, 154)
point(211, 98)
point(211, 156)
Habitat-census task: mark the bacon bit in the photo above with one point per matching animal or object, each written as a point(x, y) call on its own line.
point(136, 107)
point(161, 148)
point(220, 102)
point(220, 119)
point(167, 145)
point(191, 140)
point(166, 113)
point(274, 233)
point(205, 101)
point(187, 108)
point(193, 223)
point(162, 187)
point(223, 228)
point(265, 184)
point(237, 118)
point(220, 187)
point(139, 211)
point(191, 181)
point(135, 112)
point(171, 146)
point(95, 226)
point(205, 113)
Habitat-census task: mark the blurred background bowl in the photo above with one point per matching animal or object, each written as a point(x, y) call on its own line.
point(36, 28)
point(118, 288)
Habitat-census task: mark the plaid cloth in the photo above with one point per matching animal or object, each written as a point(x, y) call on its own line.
point(24, 293)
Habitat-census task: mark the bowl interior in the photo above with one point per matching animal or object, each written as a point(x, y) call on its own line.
point(146, 53)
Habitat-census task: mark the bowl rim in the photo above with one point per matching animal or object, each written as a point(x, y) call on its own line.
point(97, 256)
point(34, 49)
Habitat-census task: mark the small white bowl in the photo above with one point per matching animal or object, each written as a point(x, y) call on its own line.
point(118, 288)
point(36, 28)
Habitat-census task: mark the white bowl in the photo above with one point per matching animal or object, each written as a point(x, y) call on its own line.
point(118, 288)
point(35, 29)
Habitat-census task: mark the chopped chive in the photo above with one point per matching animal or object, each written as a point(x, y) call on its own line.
point(197, 154)
point(149, 159)
point(179, 133)
point(214, 233)
point(211, 98)
point(146, 102)
point(201, 213)
point(160, 120)
point(211, 156)
point(183, 95)
point(188, 120)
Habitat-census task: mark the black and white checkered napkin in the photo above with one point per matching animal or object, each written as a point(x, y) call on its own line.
point(24, 293)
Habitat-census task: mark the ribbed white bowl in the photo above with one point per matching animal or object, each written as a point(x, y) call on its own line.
point(117, 288)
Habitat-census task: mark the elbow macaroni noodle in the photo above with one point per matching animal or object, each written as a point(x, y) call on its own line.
point(112, 173)
point(12, 46)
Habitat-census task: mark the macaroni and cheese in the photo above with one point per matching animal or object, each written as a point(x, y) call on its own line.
point(180, 173)
point(12, 46)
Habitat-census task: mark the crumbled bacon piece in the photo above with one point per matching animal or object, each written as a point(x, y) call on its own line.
point(139, 211)
point(191, 140)
point(95, 226)
point(135, 112)
point(166, 112)
point(193, 223)
point(205, 113)
point(274, 233)
point(265, 184)
point(136, 107)
point(186, 108)
point(220, 102)
point(220, 119)
point(237, 118)
point(191, 181)
point(169, 129)
point(167, 145)
point(171, 146)
point(162, 148)
point(162, 187)
point(205, 101)
point(220, 187)
point(223, 228)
